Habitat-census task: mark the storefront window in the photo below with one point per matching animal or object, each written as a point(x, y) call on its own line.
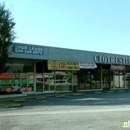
point(54, 81)
point(19, 80)
point(30, 83)
point(89, 79)
point(118, 79)
point(5, 83)
point(20, 66)
point(127, 77)
point(63, 80)
point(39, 82)
point(49, 82)
point(16, 83)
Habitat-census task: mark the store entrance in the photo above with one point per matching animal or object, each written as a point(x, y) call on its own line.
point(127, 80)
point(49, 83)
point(89, 79)
point(106, 77)
point(45, 82)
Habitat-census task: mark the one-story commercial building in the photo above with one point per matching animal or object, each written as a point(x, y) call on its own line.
point(42, 69)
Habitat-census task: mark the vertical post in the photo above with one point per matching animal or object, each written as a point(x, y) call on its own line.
point(72, 81)
point(124, 79)
point(43, 76)
point(113, 79)
point(55, 80)
point(34, 75)
point(101, 79)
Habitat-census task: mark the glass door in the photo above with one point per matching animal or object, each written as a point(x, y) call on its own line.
point(49, 82)
point(39, 82)
point(127, 80)
point(52, 82)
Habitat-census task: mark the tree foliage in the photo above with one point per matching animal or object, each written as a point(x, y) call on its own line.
point(7, 35)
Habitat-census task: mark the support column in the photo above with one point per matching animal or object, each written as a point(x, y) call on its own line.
point(72, 81)
point(113, 80)
point(124, 79)
point(101, 79)
point(34, 76)
point(43, 76)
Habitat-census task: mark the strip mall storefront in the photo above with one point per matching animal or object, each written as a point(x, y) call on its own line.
point(104, 77)
point(39, 69)
point(48, 76)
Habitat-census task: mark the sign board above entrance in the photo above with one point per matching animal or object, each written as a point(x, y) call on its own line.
point(111, 60)
point(85, 65)
point(117, 67)
point(26, 49)
point(62, 65)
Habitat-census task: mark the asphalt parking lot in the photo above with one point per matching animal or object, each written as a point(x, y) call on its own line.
point(86, 112)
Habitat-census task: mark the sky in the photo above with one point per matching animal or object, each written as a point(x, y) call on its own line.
point(91, 25)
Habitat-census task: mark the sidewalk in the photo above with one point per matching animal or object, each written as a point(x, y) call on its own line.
point(13, 101)
point(13, 97)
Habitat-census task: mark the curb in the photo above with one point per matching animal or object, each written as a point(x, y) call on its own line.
point(42, 97)
point(60, 96)
point(98, 92)
point(9, 105)
point(77, 94)
point(12, 96)
point(110, 91)
point(12, 103)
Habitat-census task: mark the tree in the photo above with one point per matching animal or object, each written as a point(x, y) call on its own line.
point(7, 35)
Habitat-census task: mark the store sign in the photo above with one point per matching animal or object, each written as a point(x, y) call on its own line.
point(26, 49)
point(117, 67)
point(109, 59)
point(85, 65)
point(5, 76)
point(14, 76)
point(22, 76)
point(63, 65)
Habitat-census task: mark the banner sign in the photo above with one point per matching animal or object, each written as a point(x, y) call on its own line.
point(62, 65)
point(85, 65)
point(26, 49)
point(117, 67)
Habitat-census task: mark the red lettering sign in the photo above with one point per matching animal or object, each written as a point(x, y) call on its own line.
point(61, 65)
point(117, 67)
point(5, 76)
